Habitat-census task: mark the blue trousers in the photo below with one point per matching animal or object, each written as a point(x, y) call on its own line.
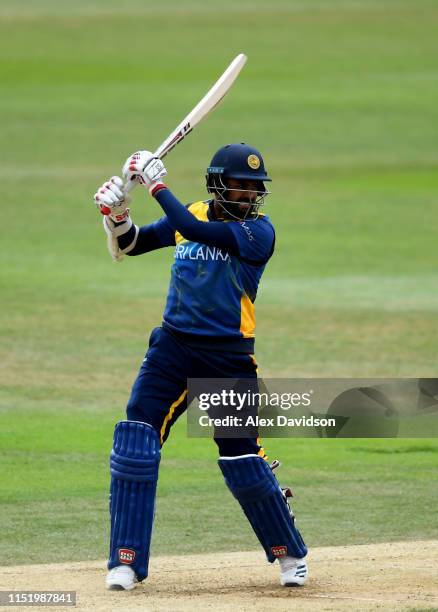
point(159, 394)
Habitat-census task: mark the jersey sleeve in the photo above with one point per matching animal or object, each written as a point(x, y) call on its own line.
point(137, 241)
point(164, 231)
point(255, 239)
point(181, 219)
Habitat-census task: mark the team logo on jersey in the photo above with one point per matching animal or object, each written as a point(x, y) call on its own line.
point(126, 555)
point(253, 162)
point(279, 551)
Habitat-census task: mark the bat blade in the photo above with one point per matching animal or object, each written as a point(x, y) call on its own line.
point(212, 98)
point(209, 102)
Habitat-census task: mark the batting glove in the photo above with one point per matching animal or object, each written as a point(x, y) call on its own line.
point(146, 169)
point(112, 201)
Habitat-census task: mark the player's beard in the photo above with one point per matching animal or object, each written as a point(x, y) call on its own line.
point(232, 210)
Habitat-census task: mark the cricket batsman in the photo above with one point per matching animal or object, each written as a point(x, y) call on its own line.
point(222, 246)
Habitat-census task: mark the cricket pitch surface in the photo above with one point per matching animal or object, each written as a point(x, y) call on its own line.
point(391, 576)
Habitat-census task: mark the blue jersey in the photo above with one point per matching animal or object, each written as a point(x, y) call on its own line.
point(212, 291)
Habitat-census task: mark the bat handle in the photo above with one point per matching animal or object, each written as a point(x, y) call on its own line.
point(127, 187)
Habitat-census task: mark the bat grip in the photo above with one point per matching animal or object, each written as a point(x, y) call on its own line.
point(127, 187)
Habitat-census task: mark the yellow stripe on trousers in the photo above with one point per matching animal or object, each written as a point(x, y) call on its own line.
point(169, 415)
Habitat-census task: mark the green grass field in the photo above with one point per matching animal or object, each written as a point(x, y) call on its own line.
point(342, 99)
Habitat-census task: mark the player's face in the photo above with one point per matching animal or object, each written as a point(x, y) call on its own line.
point(239, 198)
point(243, 192)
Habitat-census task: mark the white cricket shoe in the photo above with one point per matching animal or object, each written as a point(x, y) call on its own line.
point(293, 571)
point(121, 578)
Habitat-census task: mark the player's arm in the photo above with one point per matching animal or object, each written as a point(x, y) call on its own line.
point(213, 233)
point(124, 237)
point(148, 238)
point(252, 241)
point(144, 168)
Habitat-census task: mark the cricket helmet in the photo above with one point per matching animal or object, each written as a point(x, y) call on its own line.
point(240, 162)
point(237, 161)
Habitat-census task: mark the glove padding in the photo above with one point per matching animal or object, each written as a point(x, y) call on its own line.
point(113, 231)
point(112, 201)
point(144, 168)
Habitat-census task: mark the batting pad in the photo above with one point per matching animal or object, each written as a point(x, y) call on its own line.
point(251, 481)
point(134, 473)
